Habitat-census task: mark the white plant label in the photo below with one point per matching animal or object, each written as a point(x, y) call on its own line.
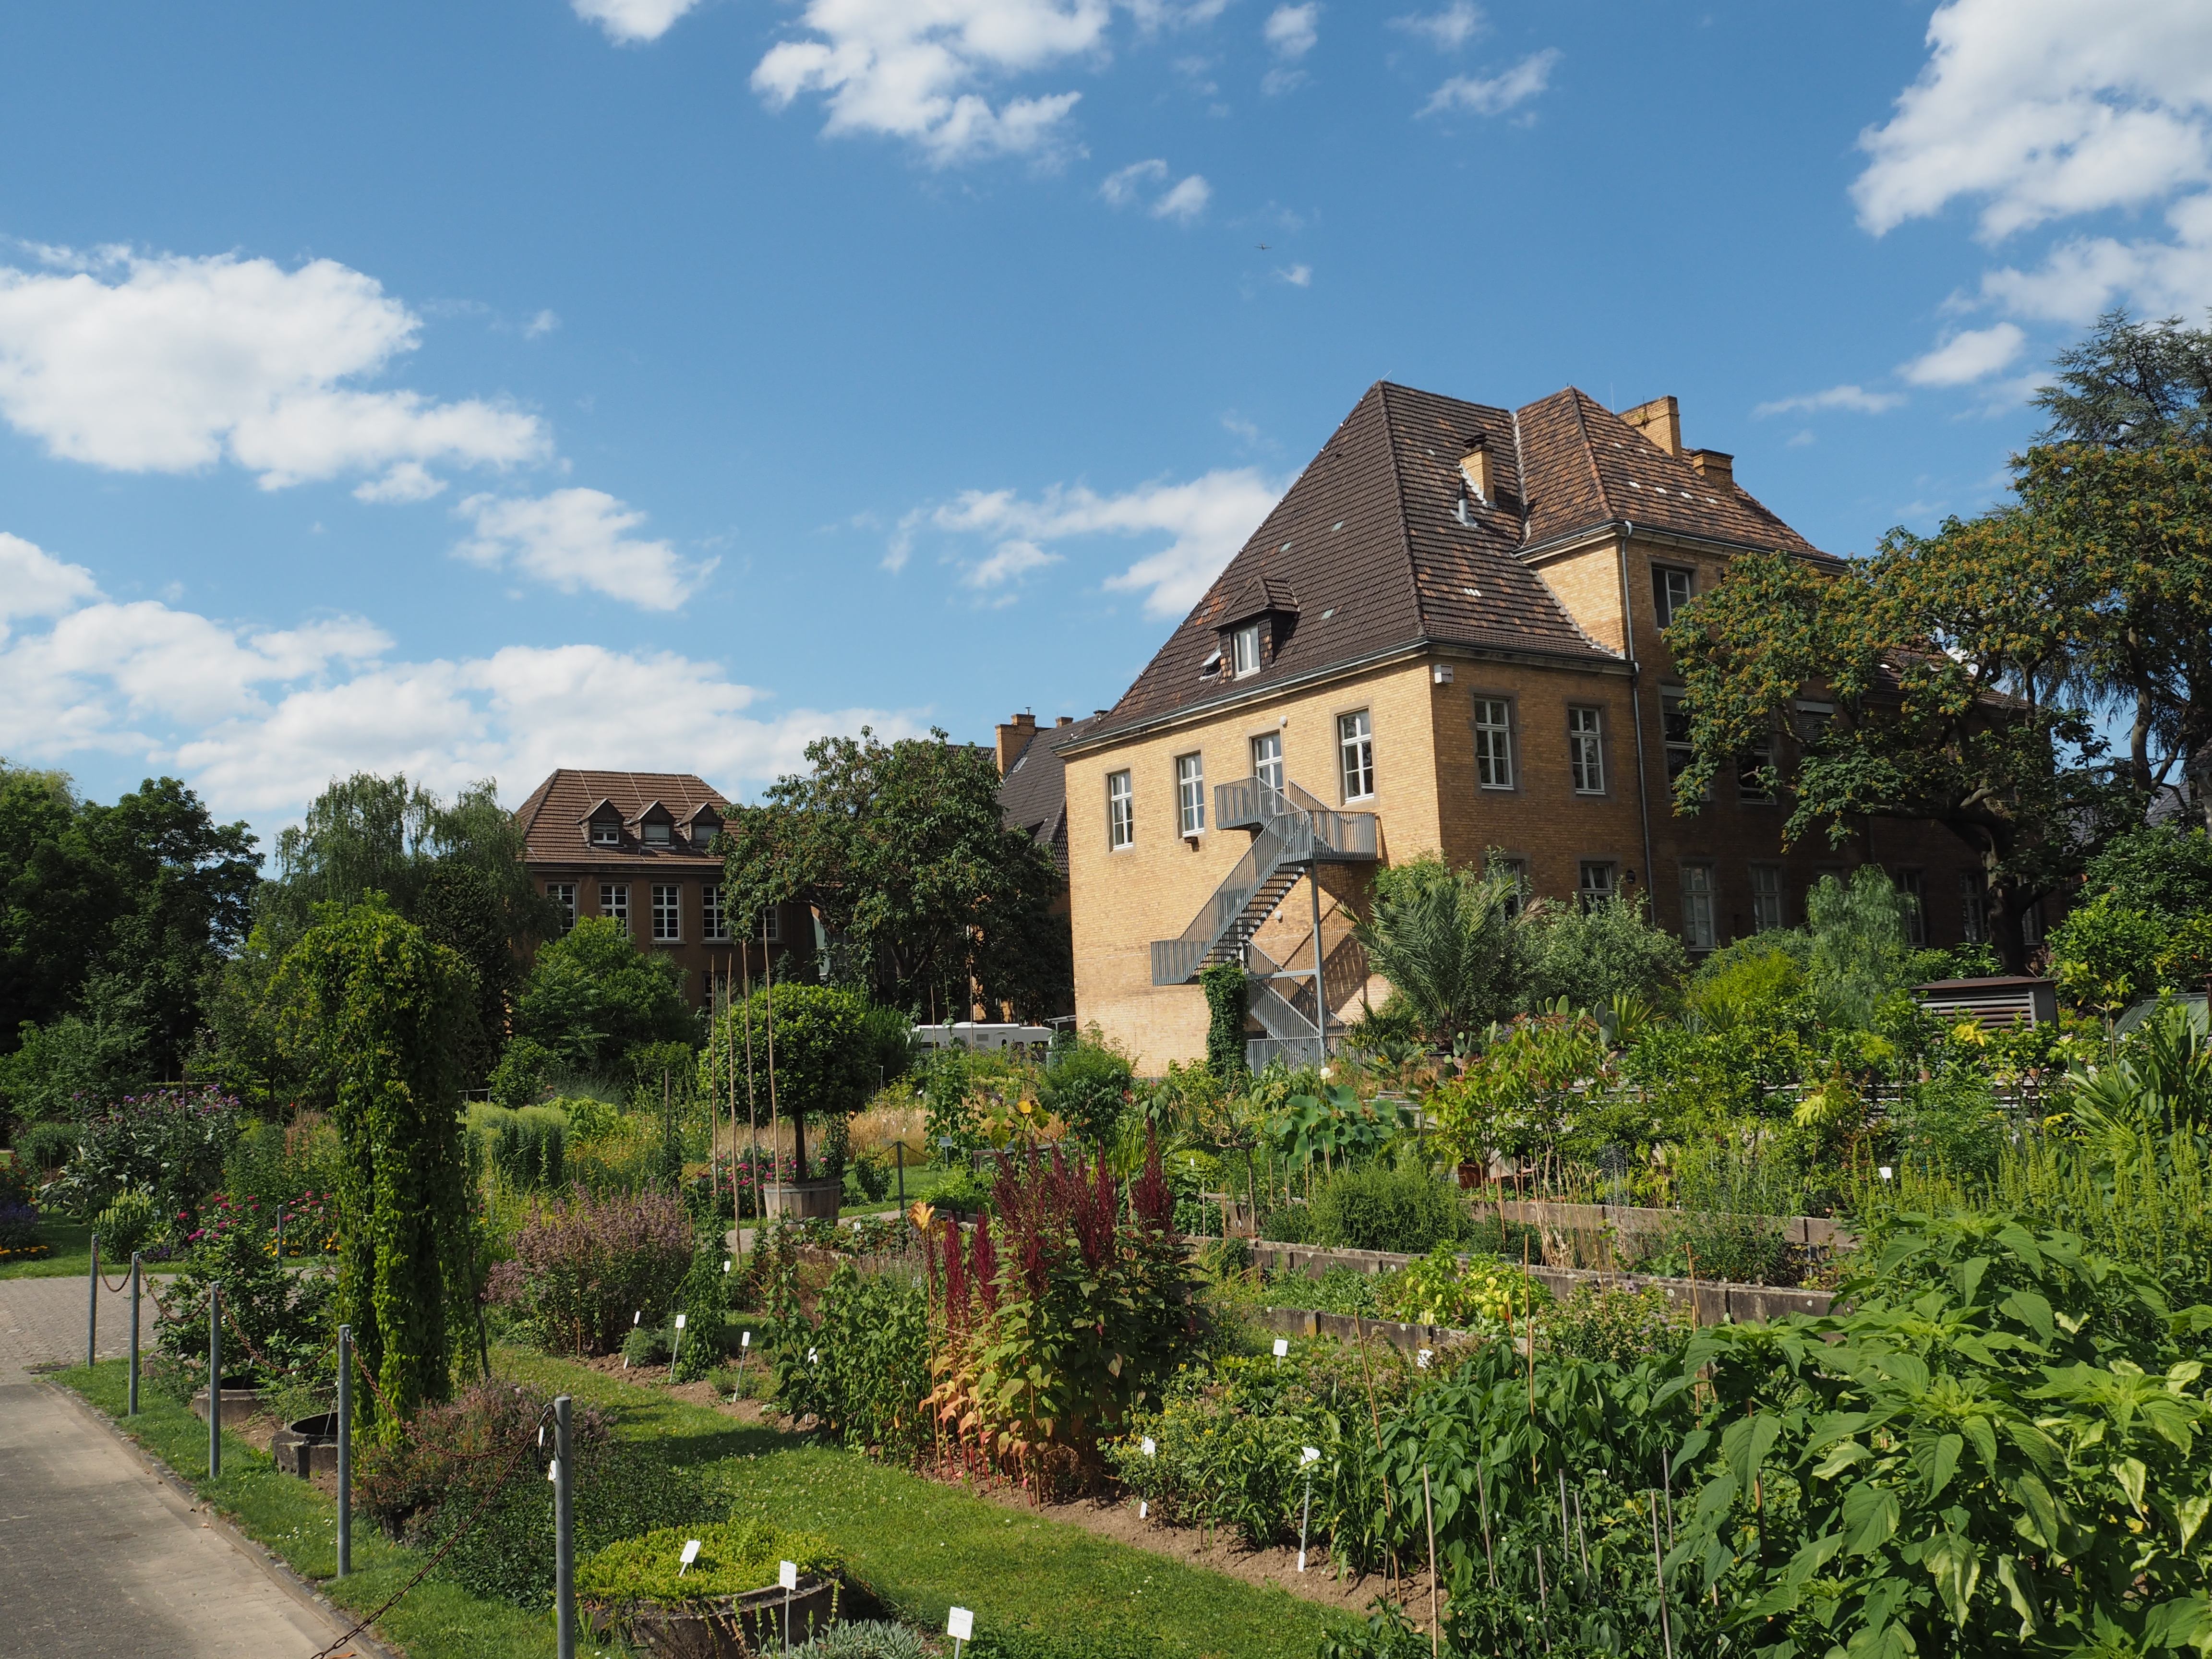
point(746, 1341)
point(1309, 1454)
point(635, 1317)
point(1887, 1172)
point(960, 1623)
point(1147, 1446)
point(680, 1322)
point(1282, 1347)
point(553, 1472)
point(690, 1554)
point(786, 1574)
point(1422, 1358)
point(541, 1434)
point(813, 1356)
point(726, 1265)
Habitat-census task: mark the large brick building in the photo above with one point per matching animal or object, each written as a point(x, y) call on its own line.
point(633, 845)
point(1444, 638)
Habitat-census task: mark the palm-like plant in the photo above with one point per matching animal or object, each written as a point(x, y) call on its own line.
point(1444, 939)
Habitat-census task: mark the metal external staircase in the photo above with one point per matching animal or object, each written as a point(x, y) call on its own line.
point(1294, 834)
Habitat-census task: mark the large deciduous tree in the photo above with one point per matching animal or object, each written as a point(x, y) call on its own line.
point(902, 849)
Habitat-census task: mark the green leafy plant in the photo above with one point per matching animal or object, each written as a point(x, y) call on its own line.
point(171, 1144)
point(859, 1368)
point(733, 1556)
point(1375, 1206)
point(584, 1266)
point(1480, 1293)
point(1224, 984)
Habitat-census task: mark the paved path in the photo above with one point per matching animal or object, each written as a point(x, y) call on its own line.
point(99, 1558)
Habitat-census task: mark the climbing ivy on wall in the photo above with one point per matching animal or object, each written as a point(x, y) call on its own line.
point(395, 1012)
point(1224, 988)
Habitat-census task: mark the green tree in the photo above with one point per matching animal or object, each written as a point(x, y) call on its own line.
point(824, 1064)
point(1860, 951)
point(2104, 954)
point(1591, 954)
point(1944, 659)
point(2160, 869)
point(393, 1010)
point(1446, 941)
point(593, 996)
point(902, 851)
point(2132, 386)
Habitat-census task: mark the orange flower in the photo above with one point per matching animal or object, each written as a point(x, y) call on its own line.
point(921, 1215)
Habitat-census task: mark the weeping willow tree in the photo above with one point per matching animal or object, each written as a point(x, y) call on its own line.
point(1444, 939)
point(395, 1012)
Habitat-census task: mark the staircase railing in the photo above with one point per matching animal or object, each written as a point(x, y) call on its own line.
point(1287, 840)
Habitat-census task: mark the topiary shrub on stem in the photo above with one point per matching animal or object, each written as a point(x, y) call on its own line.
point(1225, 996)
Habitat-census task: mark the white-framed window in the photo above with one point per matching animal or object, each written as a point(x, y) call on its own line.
point(614, 901)
point(1671, 589)
point(655, 833)
point(667, 910)
point(2031, 924)
point(1974, 906)
point(605, 832)
point(1493, 743)
point(1697, 906)
point(1190, 794)
point(713, 922)
point(772, 925)
point(1121, 810)
point(1586, 749)
point(1268, 759)
point(1355, 748)
point(1913, 884)
point(1757, 759)
point(1765, 897)
point(1518, 900)
point(564, 896)
point(1244, 650)
point(1594, 882)
point(1675, 733)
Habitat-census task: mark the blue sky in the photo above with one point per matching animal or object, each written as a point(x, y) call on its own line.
point(469, 390)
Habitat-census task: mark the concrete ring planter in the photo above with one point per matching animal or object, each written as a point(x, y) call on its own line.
point(726, 1627)
point(308, 1447)
point(238, 1405)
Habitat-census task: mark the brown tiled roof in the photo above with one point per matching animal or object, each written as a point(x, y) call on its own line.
point(1383, 545)
point(1033, 796)
point(553, 816)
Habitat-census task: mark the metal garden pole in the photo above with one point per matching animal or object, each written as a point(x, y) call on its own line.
point(564, 1535)
point(215, 1382)
point(901, 1156)
point(345, 1450)
point(92, 1305)
point(134, 1333)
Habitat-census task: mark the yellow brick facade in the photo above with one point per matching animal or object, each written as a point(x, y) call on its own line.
point(1428, 797)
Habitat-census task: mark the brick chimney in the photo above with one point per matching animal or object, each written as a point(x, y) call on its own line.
point(1713, 467)
point(1065, 720)
point(1474, 467)
point(1661, 420)
point(1014, 737)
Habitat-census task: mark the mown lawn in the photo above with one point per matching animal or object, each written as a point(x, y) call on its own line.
point(72, 1254)
point(1040, 1588)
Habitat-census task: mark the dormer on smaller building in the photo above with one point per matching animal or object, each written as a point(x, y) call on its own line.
point(603, 825)
point(655, 826)
point(702, 826)
point(1255, 628)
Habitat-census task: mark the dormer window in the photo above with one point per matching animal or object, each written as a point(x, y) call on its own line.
point(656, 835)
point(605, 833)
point(1244, 650)
point(702, 834)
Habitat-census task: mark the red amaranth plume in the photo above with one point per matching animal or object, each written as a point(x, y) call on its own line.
point(1096, 1203)
point(983, 1264)
point(1155, 1204)
point(955, 1278)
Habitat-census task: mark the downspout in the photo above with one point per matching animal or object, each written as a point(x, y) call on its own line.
point(1636, 708)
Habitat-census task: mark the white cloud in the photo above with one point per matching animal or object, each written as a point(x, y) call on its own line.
point(575, 539)
point(1971, 355)
point(2044, 108)
point(1527, 79)
point(628, 21)
point(540, 326)
point(261, 719)
point(2081, 278)
point(1853, 397)
point(1127, 184)
point(410, 481)
point(1185, 202)
point(913, 71)
point(1446, 30)
point(1297, 275)
point(169, 363)
point(1206, 520)
point(1009, 561)
point(1290, 31)
point(34, 583)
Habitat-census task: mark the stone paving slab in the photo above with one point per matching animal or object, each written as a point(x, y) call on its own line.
point(100, 1557)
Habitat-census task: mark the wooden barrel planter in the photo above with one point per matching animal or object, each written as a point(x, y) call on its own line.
point(722, 1627)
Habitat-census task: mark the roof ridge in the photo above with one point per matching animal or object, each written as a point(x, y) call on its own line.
point(1575, 397)
point(1398, 503)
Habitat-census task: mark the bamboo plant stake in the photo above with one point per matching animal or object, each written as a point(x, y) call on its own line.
point(1429, 1509)
point(774, 1121)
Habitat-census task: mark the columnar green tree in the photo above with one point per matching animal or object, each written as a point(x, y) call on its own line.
point(394, 1012)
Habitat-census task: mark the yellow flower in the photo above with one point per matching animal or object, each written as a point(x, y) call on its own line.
point(921, 1215)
